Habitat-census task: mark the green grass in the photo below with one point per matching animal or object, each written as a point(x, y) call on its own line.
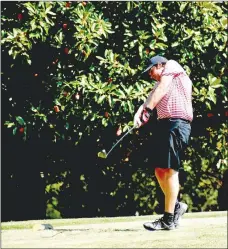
point(80, 221)
point(198, 230)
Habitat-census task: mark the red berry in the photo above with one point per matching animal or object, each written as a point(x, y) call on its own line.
point(226, 113)
point(109, 80)
point(19, 16)
point(65, 93)
point(210, 115)
point(119, 131)
point(66, 50)
point(106, 114)
point(21, 130)
point(36, 74)
point(65, 25)
point(68, 4)
point(147, 51)
point(56, 108)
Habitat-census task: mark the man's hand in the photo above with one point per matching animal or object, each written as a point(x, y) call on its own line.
point(141, 117)
point(137, 121)
point(145, 116)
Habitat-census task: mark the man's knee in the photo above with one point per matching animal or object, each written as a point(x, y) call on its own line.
point(171, 174)
point(160, 173)
point(163, 173)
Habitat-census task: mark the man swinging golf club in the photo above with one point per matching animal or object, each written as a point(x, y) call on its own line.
point(172, 97)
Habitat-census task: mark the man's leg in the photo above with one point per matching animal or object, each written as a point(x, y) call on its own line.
point(168, 180)
point(160, 174)
point(171, 183)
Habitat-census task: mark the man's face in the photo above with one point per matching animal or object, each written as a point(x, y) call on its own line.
point(155, 72)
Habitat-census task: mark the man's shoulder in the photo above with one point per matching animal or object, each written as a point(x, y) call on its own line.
point(173, 66)
point(172, 62)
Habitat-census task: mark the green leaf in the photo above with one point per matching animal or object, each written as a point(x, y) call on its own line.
point(158, 7)
point(110, 101)
point(175, 44)
point(101, 98)
point(224, 22)
point(104, 122)
point(9, 125)
point(33, 25)
point(208, 105)
point(14, 130)
point(215, 82)
point(182, 7)
point(111, 57)
point(48, 9)
point(30, 7)
point(67, 126)
point(129, 6)
point(20, 120)
point(45, 118)
point(120, 93)
point(99, 57)
point(141, 47)
point(51, 13)
point(217, 86)
point(82, 177)
point(161, 45)
point(196, 90)
point(34, 109)
point(57, 102)
point(211, 96)
point(130, 106)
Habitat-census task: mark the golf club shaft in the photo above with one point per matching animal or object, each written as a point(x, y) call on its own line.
point(120, 140)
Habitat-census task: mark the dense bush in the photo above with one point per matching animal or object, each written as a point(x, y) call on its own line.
point(71, 82)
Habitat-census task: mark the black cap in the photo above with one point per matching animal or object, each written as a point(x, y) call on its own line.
point(154, 61)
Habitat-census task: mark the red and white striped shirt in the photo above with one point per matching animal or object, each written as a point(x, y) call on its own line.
point(177, 103)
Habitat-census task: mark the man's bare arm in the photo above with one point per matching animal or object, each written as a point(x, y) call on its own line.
point(155, 97)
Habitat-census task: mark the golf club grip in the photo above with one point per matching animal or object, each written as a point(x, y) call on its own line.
point(120, 140)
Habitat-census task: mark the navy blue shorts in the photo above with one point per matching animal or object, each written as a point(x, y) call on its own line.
point(169, 141)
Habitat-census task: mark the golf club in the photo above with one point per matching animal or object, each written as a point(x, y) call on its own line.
point(104, 154)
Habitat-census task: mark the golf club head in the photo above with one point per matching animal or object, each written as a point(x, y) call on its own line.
point(102, 154)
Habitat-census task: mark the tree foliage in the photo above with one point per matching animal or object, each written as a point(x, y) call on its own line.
point(71, 76)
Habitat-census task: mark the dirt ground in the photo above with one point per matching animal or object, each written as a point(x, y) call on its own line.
point(198, 230)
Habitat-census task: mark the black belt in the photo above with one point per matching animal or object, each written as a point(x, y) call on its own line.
point(168, 119)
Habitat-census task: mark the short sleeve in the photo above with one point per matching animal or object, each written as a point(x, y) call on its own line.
point(172, 68)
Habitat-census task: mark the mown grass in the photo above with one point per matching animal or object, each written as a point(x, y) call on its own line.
point(15, 225)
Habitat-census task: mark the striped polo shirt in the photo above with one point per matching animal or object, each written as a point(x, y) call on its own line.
point(177, 103)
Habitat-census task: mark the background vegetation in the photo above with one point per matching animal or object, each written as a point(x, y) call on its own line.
point(71, 82)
